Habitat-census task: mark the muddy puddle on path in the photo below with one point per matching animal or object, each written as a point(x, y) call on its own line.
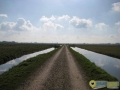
point(109, 64)
point(5, 67)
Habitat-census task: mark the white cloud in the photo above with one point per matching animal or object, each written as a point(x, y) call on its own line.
point(3, 15)
point(118, 23)
point(46, 19)
point(101, 26)
point(116, 7)
point(20, 25)
point(29, 24)
point(6, 26)
point(21, 21)
point(58, 26)
point(80, 23)
point(112, 36)
point(52, 18)
point(52, 31)
point(65, 17)
point(119, 30)
point(50, 25)
point(25, 25)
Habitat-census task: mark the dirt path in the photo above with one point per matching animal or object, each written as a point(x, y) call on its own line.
point(60, 72)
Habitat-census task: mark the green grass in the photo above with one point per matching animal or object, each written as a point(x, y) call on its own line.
point(110, 50)
point(12, 79)
point(12, 51)
point(92, 71)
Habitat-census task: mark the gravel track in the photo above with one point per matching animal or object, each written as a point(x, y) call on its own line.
point(60, 72)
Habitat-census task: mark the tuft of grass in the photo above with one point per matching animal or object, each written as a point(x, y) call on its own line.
point(92, 71)
point(12, 79)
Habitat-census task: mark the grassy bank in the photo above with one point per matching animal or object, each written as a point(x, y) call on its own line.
point(12, 79)
point(92, 71)
point(110, 50)
point(12, 51)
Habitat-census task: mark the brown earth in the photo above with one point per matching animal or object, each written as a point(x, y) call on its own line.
point(60, 72)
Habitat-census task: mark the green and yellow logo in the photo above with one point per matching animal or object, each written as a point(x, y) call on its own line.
point(92, 83)
point(101, 84)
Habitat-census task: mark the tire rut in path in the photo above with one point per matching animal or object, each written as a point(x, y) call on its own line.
point(76, 74)
point(59, 78)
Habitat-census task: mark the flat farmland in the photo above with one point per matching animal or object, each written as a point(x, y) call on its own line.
point(60, 69)
point(110, 50)
point(12, 51)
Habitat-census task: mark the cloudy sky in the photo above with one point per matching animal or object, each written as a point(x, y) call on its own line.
point(62, 21)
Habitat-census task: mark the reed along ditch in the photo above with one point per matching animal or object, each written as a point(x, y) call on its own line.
point(92, 70)
point(18, 74)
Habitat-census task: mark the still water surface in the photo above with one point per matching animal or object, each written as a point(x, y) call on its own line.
point(14, 62)
point(109, 64)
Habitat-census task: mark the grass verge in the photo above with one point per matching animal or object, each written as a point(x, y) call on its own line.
point(92, 71)
point(12, 79)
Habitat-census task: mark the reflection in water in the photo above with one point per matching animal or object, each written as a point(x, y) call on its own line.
point(117, 66)
point(109, 64)
point(10, 64)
